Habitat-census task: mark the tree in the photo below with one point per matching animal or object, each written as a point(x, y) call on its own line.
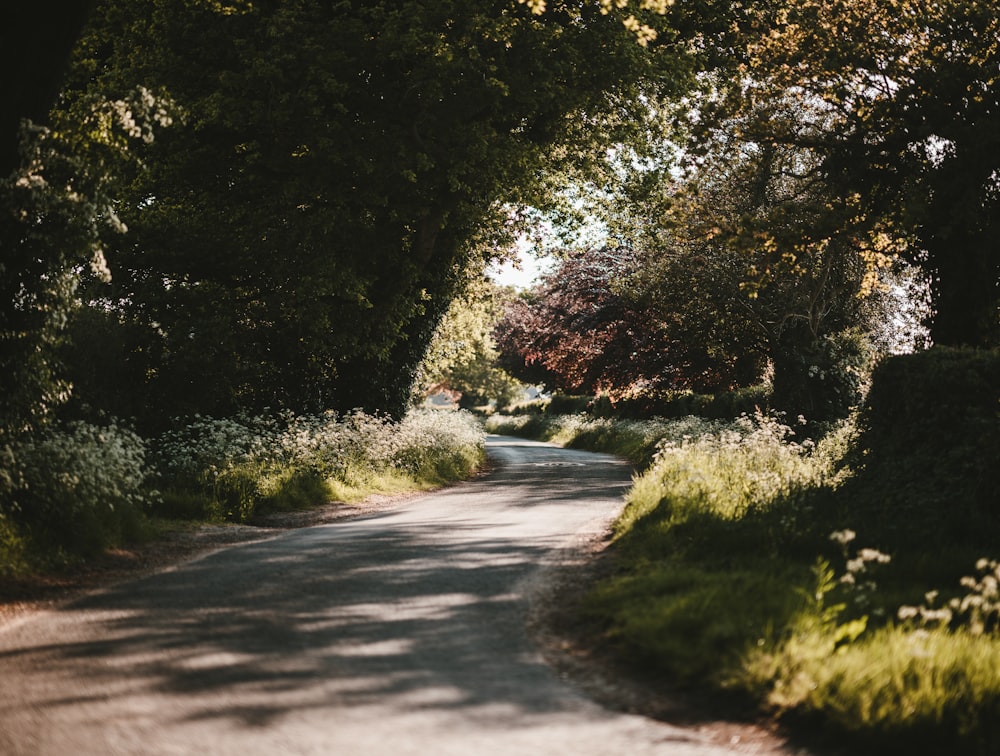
point(576, 333)
point(736, 256)
point(55, 214)
point(297, 241)
point(462, 356)
point(900, 102)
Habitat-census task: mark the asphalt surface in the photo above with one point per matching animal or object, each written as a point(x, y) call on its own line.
point(398, 633)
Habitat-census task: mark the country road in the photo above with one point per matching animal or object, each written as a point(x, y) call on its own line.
point(397, 633)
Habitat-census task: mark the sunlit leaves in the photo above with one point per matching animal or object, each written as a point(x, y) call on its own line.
point(57, 210)
point(900, 104)
point(644, 34)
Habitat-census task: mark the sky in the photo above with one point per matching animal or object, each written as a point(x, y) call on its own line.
point(531, 268)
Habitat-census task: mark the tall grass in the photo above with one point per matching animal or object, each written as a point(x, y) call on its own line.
point(71, 492)
point(748, 561)
point(239, 468)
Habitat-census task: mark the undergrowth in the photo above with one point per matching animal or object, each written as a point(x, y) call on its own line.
point(240, 468)
point(849, 586)
point(68, 493)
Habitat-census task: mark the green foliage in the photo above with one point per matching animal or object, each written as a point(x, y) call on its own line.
point(243, 467)
point(977, 612)
point(698, 580)
point(727, 405)
point(67, 494)
point(726, 261)
point(636, 440)
point(462, 355)
point(649, 404)
point(55, 211)
point(295, 242)
point(841, 82)
point(931, 418)
point(895, 691)
point(567, 404)
point(74, 492)
point(14, 549)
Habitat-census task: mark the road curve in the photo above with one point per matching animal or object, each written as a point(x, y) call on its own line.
point(398, 633)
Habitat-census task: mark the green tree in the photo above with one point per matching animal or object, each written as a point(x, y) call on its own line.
point(56, 215)
point(462, 356)
point(297, 241)
point(736, 256)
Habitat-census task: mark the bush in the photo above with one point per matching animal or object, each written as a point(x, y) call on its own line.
point(928, 457)
point(825, 380)
point(660, 403)
point(565, 404)
point(13, 549)
point(77, 490)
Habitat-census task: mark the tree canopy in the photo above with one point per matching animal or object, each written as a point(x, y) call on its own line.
point(296, 239)
point(334, 169)
point(576, 333)
point(899, 104)
point(462, 357)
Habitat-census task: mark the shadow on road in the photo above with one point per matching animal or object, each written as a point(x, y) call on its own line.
point(415, 609)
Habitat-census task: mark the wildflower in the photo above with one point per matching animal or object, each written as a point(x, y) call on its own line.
point(843, 537)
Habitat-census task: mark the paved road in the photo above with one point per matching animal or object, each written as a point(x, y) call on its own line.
point(398, 633)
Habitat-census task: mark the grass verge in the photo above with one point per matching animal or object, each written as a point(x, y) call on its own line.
point(69, 495)
point(827, 583)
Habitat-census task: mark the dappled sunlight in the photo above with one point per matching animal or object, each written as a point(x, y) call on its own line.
point(420, 609)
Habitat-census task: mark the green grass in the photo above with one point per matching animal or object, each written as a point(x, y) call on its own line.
point(896, 688)
point(726, 579)
point(635, 440)
point(70, 495)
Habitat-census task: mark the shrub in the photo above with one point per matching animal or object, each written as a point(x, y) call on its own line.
point(565, 404)
point(928, 456)
point(13, 549)
point(79, 489)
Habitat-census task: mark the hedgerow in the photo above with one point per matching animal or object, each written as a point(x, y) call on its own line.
point(75, 490)
point(71, 491)
point(244, 466)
